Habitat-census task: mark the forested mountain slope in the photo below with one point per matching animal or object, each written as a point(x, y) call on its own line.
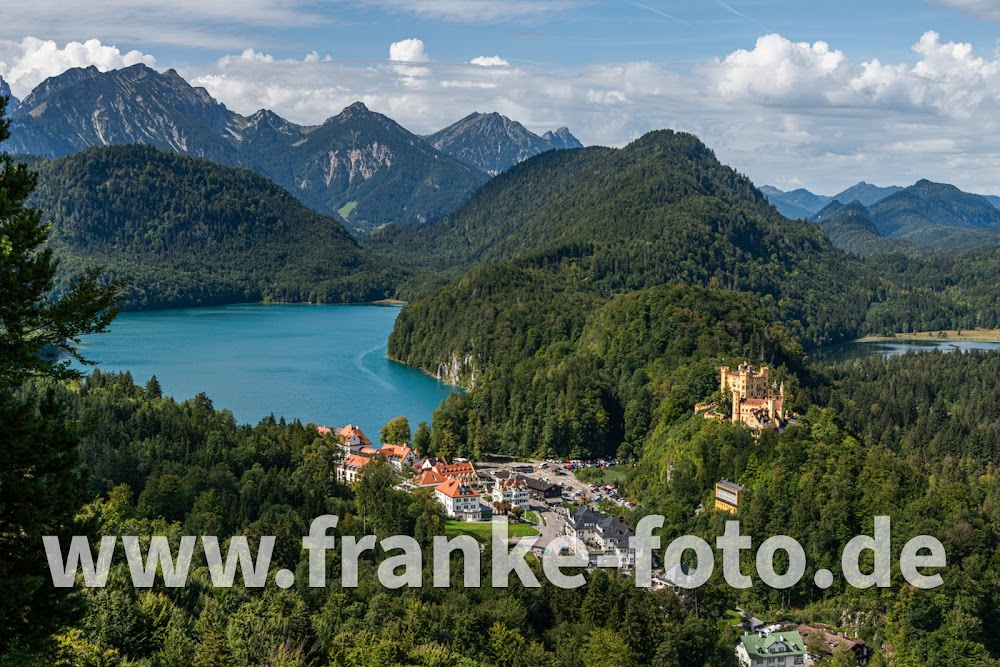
point(186, 232)
point(659, 211)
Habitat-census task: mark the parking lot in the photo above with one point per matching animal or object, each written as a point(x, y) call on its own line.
point(553, 472)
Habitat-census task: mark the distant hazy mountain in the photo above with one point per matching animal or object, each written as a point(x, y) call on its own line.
point(795, 204)
point(562, 139)
point(494, 143)
point(5, 91)
point(802, 203)
point(992, 199)
point(923, 217)
point(359, 164)
point(866, 193)
point(926, 204)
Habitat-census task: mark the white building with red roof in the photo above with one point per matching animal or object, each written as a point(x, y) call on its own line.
point(463, 471)
point(401, 456)
point(460, 500)
point(428, 479)
point(512, 491)
point(354, 438)
point(350, 467)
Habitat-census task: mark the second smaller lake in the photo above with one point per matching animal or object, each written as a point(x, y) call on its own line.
point(858, 350)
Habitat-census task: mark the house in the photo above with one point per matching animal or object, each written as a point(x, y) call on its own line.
point(463, 471)
point(512, 491)
point(581, 524)
point(354, 438)
point(612, 537)
point(349, 468)
point(430, 462)
point(727, 496)
point(541, 489)
point(460, 500)
point(821, 643)
point(606, 539)
point(774, 649)
point(324, 430)
point(428, 479)
point(402, 457)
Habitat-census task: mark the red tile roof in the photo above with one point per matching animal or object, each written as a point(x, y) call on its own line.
point(511, 483)
point(355, 461)
point(324, 430)
point(352, 430)
point(429, 478)
point(453, 488)
point(448, 469)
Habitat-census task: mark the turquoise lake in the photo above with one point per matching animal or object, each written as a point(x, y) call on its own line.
point(320, 364)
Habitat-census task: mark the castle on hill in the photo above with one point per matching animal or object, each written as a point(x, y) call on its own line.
point(757, 402)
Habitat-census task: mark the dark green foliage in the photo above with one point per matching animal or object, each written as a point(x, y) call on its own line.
point(662, 210)
point(559, 373)
point(185, 232)
point(272, 479)
point(41, 484)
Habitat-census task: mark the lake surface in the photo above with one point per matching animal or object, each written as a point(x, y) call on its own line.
point(852, 351)
point(320, 364)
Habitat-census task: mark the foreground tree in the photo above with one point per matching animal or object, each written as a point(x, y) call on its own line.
point(41, 484)
point(396, 431)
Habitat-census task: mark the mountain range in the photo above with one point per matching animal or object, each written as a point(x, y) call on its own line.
point(360, 166)
point(493, 143)
point(803, 204)
point(925, 216)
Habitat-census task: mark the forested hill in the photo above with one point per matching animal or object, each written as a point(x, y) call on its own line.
point(186, 232)
point(661, 210)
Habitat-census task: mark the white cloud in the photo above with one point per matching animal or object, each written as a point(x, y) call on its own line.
point(489, 61)
point(408, 51)
point(987, 9)
point(27, 63)
point(947, 78)
point(211, 24)
point(778, 69)
point(476, 11)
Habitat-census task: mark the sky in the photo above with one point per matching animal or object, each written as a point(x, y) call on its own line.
point(793, 93)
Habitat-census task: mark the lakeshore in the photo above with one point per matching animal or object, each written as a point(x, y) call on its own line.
point(963, 335)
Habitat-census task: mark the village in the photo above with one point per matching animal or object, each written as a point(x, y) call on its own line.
point(547, 500)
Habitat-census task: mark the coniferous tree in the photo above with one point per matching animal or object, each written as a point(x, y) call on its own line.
point(41, 484)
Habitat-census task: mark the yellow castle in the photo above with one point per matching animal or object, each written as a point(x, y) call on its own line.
point(756, 401)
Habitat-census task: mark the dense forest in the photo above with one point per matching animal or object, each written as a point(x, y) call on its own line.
point(163, 468)
point(588, 316)
point(187, 232)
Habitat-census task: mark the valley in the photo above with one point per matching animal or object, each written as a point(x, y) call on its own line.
point(538, 300)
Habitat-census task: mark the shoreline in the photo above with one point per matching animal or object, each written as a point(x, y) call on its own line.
point(967, 335)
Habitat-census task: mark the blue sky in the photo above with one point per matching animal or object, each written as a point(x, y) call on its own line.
point(790, 92)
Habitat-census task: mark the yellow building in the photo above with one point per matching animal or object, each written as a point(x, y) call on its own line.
point(727, 496)
point(756, 401)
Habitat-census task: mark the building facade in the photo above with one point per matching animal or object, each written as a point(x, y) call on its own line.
point(757, 402)
point(350, 467)
point(460, 500)
point(776, 649)
point(512, 491)
point(727, 496)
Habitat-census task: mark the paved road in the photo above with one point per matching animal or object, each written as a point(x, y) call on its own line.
point(552, 528)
